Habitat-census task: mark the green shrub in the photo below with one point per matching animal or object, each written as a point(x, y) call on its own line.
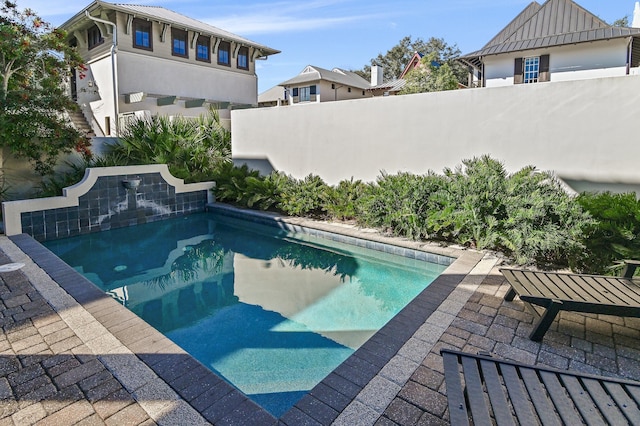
point(304, 197)
point(191, 147)
point(613, 236)
point(342, 200)
point(231, 183)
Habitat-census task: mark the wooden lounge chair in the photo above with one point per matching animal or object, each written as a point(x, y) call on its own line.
point(482, 391)
point(555, 292)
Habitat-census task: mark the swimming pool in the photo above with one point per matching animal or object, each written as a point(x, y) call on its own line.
point(270, 311)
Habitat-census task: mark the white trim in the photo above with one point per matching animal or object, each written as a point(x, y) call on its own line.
point(12, 210)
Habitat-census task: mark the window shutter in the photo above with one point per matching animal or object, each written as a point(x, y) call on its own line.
point(544, 74)
point(518, 71)
point(312, 90)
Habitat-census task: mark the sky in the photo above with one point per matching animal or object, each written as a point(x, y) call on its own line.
point(346, 34)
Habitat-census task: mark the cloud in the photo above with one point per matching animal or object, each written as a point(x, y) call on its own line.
point(289, 16)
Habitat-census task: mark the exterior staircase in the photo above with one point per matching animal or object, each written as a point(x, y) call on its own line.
point(80, 123)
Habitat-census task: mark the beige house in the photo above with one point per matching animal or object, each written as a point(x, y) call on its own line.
point(315, 84)
point(556, 41)
point(147, 60)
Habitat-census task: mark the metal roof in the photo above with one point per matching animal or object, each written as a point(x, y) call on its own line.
point(312, 73)
point(555, 23)
point(391, 86)
point(161, 14)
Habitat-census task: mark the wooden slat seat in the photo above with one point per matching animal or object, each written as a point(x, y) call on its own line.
point(482, 390)
point(558, 291)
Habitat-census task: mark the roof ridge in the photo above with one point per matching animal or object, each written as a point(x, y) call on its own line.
point(539, 24)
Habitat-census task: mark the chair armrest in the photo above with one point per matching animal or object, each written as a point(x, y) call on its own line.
point(630, 266)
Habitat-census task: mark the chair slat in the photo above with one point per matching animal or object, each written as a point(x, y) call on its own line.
point(455, 393)
point(626, 404)
point(501, 409)
point(564, 406)
point(607, 406)
point(543, 406)
point(475, 392)
point(520, 401)
point(583, 402)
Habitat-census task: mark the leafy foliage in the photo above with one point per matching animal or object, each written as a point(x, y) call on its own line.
point(35, 62)
point(304, 197)
point(342, 200)
point(613, 236)
point(430, 76)
point(396, 59)
point(191, 147)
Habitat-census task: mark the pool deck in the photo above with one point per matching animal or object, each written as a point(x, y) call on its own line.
point(71, 355)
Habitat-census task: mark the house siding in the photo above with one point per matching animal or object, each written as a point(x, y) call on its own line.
point(576, 62)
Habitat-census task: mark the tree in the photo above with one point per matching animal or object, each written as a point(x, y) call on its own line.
point(429, 76)
point(397, 58)
point(622, 22)
point(35, 62)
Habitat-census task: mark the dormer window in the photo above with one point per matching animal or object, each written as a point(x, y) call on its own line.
point(243, 58)
point(142, 35)
point(179, 43)
point(224, 53)
point(94, 37)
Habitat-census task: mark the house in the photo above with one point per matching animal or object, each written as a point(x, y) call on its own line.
point(556, 41)
point(315, 84)
point(148, 60)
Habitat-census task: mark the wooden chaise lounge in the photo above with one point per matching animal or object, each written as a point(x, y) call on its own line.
point(482, 391)
point(556, 291)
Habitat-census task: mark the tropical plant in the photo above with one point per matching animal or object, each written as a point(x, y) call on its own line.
point(304, 197)
point(613, 236)
point(191, 147)
point(342, 200)
point(35, 62)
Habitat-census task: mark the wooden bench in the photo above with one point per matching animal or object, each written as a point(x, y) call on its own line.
point(483, 391)
point(557, 291)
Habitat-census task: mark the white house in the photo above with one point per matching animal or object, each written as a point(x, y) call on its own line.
point(556, 41)
point(147, 60)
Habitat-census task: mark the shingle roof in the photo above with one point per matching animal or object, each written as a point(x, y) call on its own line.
point(336, 75)
point(555, 23)
point(169, 16)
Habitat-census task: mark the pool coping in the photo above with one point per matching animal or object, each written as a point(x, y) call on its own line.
point(357, 389)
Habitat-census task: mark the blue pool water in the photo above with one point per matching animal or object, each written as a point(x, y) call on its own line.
point(271, 312)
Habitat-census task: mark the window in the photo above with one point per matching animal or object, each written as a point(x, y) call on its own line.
point(531, 69)
point(294, 92)
point(94, 37)
point(203, 47)
point(223, 53)
point(179, 43)
point(142, 34)
point(305, 94)
point(243, 58)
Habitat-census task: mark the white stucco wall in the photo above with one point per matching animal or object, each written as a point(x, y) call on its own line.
point(96, 101)
point(581, 61)
point(582, 130)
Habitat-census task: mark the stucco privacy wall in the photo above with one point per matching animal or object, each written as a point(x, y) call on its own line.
point(582, 130)
point(107, 197)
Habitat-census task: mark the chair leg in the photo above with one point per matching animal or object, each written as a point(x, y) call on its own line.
point(545, 321)
point(510, 294)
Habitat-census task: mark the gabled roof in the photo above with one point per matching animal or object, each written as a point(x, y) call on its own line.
point(271, 95)
point(413, 62)
point(555, 23)
point(336, 75)
point(161, 14)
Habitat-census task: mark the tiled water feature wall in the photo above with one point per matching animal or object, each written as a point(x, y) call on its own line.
point(107, 197)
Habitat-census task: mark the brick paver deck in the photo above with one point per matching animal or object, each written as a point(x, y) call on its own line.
point(64, 362)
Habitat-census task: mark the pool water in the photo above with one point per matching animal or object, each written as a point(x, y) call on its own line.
point(271, 312)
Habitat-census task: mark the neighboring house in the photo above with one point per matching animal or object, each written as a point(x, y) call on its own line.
point(147, 60)
point(556, 41)
point(315, 84)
